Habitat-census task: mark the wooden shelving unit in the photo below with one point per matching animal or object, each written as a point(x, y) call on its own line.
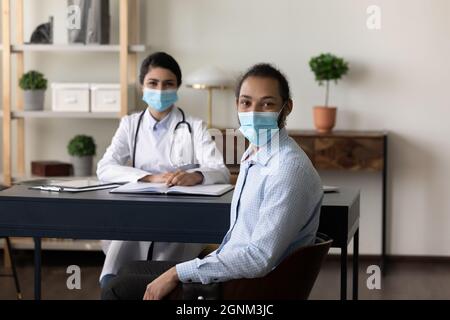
point(75, 48)
point(63, 115)
point(128, 50)
point(66, 115)
point(14, 49)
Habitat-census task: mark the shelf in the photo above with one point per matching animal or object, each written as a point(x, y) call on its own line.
point(75, 48)
point(48, 114)
point(33, 179)
point(64, 115)
point(56, 244)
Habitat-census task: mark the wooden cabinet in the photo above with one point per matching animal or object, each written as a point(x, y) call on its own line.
point(343, 150)
point(339, 150)
point(349, 151)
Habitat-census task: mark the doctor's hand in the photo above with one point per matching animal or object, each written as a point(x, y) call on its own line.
point(162, 286)
point(183, 178)
point(157, 178)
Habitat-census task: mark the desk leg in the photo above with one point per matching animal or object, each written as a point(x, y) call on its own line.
point(384, 209)
point(37, 268)
point(344, 273)
point(355, 264)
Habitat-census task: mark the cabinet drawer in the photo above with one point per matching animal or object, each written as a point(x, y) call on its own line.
point(348, 154)
point(307, 145)
point(70, 97)
point(105, 98)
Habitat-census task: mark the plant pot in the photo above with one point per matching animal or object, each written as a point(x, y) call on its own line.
point(324, 118)
point(82, 166)
point(34, 100)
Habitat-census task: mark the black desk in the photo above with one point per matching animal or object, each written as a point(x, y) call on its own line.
point(101, 215)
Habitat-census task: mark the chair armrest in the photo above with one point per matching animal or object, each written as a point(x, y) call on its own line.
point(207, 250)
point(198, 291)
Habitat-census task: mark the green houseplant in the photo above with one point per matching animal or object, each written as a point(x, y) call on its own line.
point(82, 149)
point(34, 85)
point(326, 68)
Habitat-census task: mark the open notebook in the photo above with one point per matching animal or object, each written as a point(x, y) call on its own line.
point(161, 188)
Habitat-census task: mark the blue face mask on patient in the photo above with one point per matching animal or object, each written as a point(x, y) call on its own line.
point(259, 127)
point(160, 100)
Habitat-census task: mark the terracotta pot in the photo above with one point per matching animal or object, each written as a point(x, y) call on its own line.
point(324, 118)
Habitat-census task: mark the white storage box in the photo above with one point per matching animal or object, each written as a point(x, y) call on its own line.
point(106, 97)
point(70, 97)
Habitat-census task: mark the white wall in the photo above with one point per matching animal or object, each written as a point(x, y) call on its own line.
point(399, 81)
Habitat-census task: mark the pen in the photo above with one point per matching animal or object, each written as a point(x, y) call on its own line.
point(56, 189)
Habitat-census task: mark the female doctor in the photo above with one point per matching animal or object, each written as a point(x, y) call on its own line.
point(161, 144)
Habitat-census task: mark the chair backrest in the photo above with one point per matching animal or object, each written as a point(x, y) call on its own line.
point(292, 279)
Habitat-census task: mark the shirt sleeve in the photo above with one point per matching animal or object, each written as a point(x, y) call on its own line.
point(209, 157)
point(112, 167)
point(285, 209)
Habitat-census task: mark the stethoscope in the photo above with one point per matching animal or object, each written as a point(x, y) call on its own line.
point(183, 121)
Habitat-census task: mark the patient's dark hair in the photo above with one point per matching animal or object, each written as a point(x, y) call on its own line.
point(266, 70)
point(160, 60)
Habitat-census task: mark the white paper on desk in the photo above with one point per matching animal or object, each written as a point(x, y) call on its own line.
point(161, 188)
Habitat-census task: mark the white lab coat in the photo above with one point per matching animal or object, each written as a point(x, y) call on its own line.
point(152, 157)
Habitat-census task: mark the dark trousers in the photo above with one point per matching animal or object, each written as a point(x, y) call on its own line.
point(132, 280)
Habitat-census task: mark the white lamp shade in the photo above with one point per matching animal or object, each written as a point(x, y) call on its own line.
point(210, 76)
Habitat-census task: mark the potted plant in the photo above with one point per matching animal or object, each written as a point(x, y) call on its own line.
point(34, 85)
point(82, 149)
point(327, 67)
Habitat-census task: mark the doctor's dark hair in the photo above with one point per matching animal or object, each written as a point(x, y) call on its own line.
point(266, 70)
point(160, 60)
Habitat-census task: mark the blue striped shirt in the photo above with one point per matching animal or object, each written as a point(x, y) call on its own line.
point(275, 209)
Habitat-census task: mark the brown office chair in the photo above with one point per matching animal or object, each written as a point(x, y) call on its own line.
point(292, 279)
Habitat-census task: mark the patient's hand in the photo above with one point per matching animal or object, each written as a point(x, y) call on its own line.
point(162, 286)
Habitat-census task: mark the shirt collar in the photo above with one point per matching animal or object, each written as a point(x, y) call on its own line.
point(266, 152)
point(162, 124)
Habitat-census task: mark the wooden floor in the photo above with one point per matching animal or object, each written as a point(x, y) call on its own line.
point(405, 280)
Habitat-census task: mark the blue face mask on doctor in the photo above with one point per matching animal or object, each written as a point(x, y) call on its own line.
point(259, 127)
point(160, 100)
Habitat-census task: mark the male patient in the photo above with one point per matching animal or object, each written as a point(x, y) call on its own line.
point(275, 207)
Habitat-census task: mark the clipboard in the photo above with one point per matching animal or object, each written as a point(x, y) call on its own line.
point(80, 185)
